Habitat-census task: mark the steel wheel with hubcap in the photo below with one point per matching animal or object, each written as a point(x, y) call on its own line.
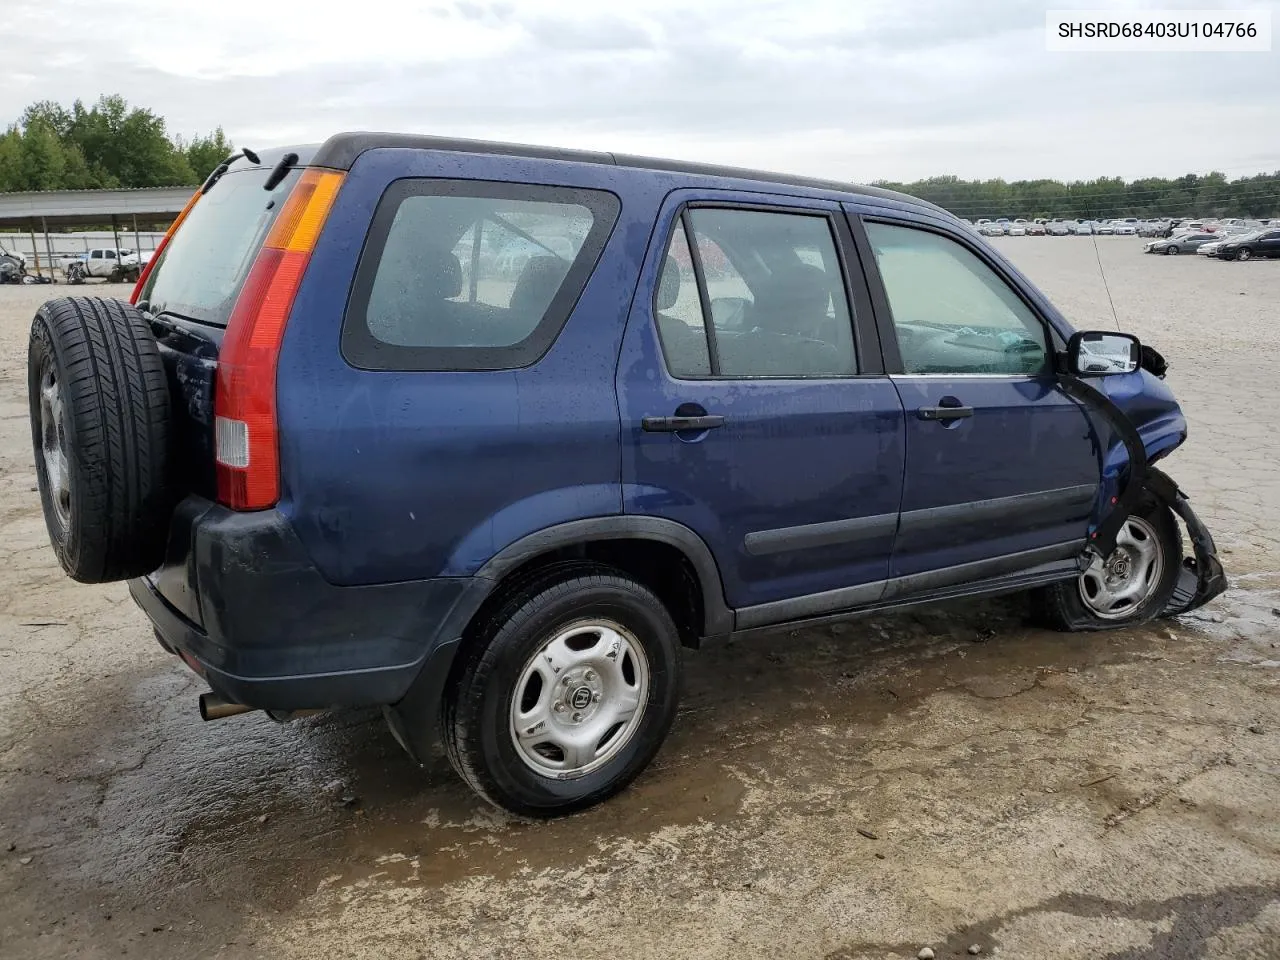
point(564, 691)
point(1131, 585)
point(1113, 588)
point(579, 699)
point(53, 445)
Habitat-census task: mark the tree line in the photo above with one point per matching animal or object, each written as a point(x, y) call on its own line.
point(1211, 195)
point(110, 144)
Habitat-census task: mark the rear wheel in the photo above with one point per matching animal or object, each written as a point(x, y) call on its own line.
point(1130, 586)
point(99, 409)
point(564, 693)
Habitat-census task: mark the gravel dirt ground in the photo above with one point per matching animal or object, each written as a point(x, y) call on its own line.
point(950, 777)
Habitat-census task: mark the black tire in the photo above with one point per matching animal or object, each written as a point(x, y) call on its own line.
point(1171, 250)
point(475, 719)
point(113, 397)
point(1243, 254)
point(1061, 606)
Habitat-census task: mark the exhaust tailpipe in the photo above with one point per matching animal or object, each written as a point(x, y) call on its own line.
point(213, 707)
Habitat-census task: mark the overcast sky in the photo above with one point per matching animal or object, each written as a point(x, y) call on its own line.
point(854, 89)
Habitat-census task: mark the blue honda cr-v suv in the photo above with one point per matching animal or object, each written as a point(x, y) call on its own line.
point(484, 434)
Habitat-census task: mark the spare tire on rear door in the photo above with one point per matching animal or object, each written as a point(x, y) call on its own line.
point(99, 402)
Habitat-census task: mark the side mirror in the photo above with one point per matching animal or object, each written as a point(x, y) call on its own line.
point(1096, 353)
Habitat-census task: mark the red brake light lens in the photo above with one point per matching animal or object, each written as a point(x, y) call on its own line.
point(246, 440)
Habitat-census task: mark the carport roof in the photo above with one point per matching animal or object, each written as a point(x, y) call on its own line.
point(72, 208)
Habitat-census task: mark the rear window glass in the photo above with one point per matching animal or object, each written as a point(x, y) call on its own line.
point(472, 275)
point(202, 268)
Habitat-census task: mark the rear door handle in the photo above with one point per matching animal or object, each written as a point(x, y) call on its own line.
point(677, 424)
point(944, 412)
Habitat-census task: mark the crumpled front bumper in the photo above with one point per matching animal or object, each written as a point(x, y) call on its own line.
point(1201, 577)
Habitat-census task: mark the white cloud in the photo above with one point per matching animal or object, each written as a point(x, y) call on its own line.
point(879, 89)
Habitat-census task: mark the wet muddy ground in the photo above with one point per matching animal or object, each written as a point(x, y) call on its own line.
point(950, 777)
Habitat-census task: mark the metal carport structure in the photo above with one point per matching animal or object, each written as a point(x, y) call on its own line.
point(132, 209)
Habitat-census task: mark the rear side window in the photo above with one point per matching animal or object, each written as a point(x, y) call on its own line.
point(472, 275)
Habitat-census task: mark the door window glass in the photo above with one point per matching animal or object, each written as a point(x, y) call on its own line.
point(776, 293)
point(678, 310)
point(952, 313)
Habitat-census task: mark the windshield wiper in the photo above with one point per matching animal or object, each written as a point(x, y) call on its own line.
point(222, 168)
point(280, 171)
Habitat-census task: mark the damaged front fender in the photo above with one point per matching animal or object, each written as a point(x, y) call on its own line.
point(1148, 424)
point(1201, 577)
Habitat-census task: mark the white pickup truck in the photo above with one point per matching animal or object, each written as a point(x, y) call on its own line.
point(115, 266)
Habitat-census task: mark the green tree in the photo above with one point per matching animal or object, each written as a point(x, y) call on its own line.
point(205, 153)
point(10, 159)
point(127, 147)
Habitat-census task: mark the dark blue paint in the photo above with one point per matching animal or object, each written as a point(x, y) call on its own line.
point(791, 452)
point(403, 476)
point(1025, 436)
point(399, 476)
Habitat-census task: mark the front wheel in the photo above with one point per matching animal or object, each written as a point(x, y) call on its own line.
point(565, 693)
point(1131, 586)
point(1171, 250)
point(1243, 254)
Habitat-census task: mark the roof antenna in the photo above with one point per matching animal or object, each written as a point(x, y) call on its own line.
point(1106, 286)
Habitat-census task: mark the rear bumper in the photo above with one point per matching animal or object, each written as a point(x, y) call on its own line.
point(240, 601)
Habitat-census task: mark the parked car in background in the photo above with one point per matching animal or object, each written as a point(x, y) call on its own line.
point(1124, 229)
point(1018, 228)
point(992, 228)
point(1210, 249)
point(1057, 228)
point(1263, 244)
point(1181, 243)
point(1082, 228)
point(1238, 227)
point(1104, 228)
point(1036, 229)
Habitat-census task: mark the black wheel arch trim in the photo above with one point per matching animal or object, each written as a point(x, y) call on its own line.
point(717, 617)
point(413, 718)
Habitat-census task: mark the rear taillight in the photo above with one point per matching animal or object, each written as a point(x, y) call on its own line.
point(246, 441)
point(164, 242)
